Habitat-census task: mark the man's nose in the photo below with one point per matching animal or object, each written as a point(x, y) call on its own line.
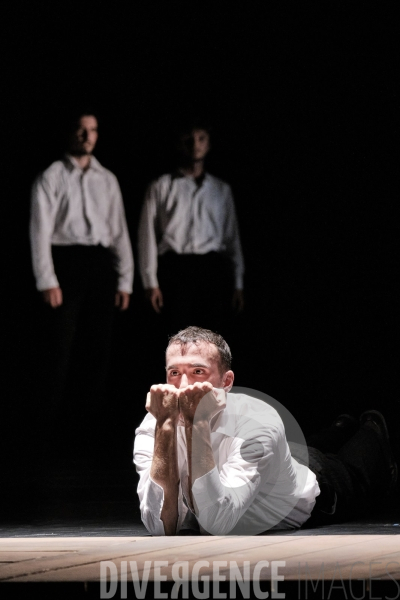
point(184, 381)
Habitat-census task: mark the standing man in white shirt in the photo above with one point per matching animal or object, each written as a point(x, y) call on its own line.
point(82, 259)
point(188, 225)
point(220, 462)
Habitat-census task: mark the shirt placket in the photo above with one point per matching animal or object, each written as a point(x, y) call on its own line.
point(84, 204)
point(190, 245)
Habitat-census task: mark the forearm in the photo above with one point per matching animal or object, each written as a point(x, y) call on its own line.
point(216, 499)
point(164, 472)
point(217, 506)
point(200, 455)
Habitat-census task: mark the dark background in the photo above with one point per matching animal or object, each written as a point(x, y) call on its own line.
point(305, 108)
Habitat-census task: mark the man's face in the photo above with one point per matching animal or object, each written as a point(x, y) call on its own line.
point(84, 138)
point(196, 145)
point(200, 362)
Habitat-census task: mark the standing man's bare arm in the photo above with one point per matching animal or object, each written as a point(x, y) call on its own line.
point(162, 403)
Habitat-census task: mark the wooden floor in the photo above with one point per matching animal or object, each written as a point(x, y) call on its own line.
point(60, 529)
point(59, 559)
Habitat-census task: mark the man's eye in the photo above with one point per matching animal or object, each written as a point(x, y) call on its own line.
point(173, 373)
point(199, 371)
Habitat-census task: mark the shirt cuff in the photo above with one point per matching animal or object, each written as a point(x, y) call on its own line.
point(207, 490)
point(154, 501)
point(239, 281)
point(150, 282)
point(124, 285)
point(47, 284)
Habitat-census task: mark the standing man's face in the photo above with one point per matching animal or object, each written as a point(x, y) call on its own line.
point(84, 138)
point(196, 145)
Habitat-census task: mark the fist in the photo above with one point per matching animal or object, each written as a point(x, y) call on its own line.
point(162, 402)
point(53, 297)
point(156, 298)
point(200, 401)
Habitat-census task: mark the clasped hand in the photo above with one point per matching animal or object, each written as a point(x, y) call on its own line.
point(199, 401)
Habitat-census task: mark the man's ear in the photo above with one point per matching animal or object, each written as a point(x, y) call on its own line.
point(227, 381)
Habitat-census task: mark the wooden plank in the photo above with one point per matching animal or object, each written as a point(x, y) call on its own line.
point(306, 557)
point(116, 548)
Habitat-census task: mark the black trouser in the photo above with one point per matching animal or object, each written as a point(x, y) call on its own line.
point(82, 330)
point(353, 480)
point(197, 290)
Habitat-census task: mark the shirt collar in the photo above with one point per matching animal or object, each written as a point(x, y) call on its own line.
point(94, 163)
point(178, 174)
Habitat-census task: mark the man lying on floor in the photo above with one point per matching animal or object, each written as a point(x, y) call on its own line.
point(220, 462)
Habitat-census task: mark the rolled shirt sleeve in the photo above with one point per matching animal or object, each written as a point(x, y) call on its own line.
point(151, 507)
point(151, 495)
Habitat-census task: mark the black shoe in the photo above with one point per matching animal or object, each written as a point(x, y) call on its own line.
point(375, 420)
point(346, 423)
point(332, 438)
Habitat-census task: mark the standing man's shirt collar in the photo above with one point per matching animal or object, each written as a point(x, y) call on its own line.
point(198, 180)
point(72, 163)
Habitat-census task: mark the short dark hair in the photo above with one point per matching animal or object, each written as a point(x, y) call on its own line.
point(186, 127)
point(74, 116)
point(194, 335)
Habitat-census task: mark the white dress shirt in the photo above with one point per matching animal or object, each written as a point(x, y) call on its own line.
point(74, 206)
point(187, 218)
point(248, 491)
